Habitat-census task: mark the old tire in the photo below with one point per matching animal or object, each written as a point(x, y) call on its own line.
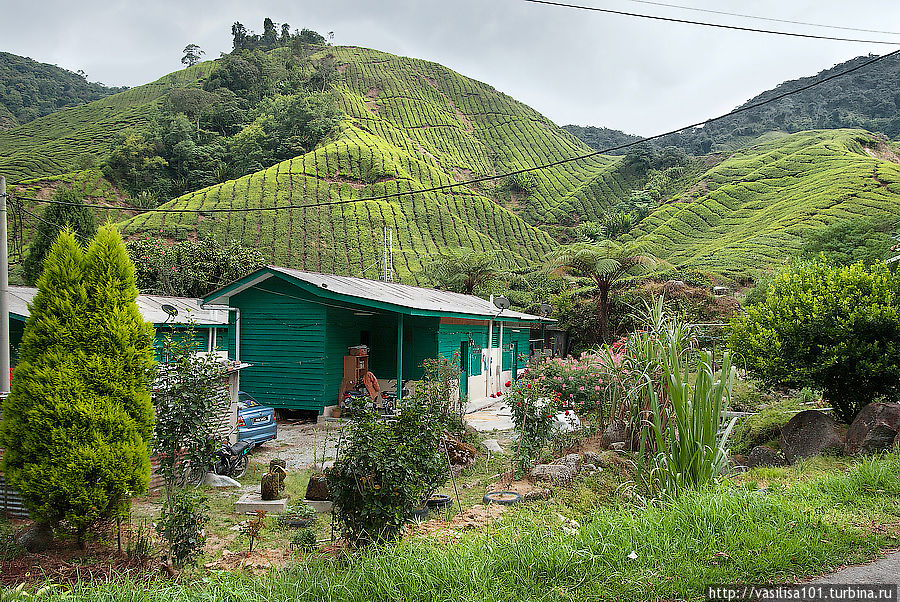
point(439, 500)
point(504, 498)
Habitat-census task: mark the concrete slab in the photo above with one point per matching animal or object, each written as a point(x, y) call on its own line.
point(251, 502)
point(497, 417)
point(319, 506)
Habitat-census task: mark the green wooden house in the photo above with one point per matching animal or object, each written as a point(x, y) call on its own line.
point(294, 328)
point(171, 316)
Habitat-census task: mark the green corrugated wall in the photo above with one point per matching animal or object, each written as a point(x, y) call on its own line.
point(282, 336)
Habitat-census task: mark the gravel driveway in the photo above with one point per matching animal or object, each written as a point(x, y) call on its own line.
point(300, 444)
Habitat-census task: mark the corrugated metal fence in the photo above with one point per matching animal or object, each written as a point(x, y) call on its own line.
point(10, 501)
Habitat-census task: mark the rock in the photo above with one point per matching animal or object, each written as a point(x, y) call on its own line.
point(217, 480)
point(614, 433)
point(618, 446)
point(36, 538)
point(555, 473)
point(461, 453)
point(897, 441)
point(590, 457)
point(565, 422)
point(740, 460)
point(811, 433)
point(875, 429)
point(763, 455)
point(493, 446)
point(573, 461)
point(590, 469)
point(317, 489)
point(537, 494)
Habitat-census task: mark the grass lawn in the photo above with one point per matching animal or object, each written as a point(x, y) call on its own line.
point(590, 541)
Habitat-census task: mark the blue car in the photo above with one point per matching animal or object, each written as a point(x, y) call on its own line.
point(256, 422)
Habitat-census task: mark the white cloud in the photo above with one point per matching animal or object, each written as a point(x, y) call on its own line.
point(575, 67)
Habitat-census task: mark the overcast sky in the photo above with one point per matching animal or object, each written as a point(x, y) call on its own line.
point(637, 75)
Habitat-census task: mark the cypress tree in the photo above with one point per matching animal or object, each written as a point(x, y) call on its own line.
point(78, 419)
point(70, 212)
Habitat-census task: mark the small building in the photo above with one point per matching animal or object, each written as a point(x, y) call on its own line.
point(295, 329)
point(171, 316)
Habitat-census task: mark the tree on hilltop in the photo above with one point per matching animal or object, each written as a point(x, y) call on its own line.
point(192, 54)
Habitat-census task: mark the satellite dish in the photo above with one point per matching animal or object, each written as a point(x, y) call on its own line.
point(501, 303)
point(170, 310)
point(546, 309)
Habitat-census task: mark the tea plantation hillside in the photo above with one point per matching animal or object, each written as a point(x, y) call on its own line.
point(71, 138)
point(749, 211)
point(409, 125)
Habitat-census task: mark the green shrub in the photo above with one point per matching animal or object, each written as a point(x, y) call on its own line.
point(832, 328)
point(181, 523)
point(385, 469)
point(304, 540)
point(9, 547)
point(78, 419)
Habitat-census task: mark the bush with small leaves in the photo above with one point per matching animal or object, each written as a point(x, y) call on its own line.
point(182, 523)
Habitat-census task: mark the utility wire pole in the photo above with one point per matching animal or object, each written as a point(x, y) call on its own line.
point(4, 295)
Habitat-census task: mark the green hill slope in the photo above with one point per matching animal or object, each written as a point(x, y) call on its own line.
point(750, 210)
point(409, 125)
point(71, 138)
point(29, 89)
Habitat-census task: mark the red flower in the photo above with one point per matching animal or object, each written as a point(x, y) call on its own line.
point(519, 403)
point(492, 395)
point(509, 383)
point(499, 393)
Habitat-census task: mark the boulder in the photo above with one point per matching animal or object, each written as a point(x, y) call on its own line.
point(740, 460)
point(874, 429)
point(763, 455)
point(590, 457)
point(618, 446)
point(811, 433)
point(537, 494)
point(573, 461)
point(218, 480)
point(590, 469)
point(559, 474)
point(614, 433)
point(37, 538)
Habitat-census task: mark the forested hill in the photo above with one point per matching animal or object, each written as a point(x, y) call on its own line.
point(867, 99)
point(29, 89)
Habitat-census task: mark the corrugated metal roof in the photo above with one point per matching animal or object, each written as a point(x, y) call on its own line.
point(404, 295)
point(150, 306)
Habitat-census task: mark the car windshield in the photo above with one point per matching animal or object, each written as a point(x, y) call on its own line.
point(247, 400)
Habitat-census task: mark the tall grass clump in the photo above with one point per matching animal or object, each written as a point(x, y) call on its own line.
point(672, 399)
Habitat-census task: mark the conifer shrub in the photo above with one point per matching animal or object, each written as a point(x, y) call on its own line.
point(78, 418)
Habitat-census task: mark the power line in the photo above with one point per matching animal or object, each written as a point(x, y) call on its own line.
point(478, 180)
point(707, 24)
point(760, 18)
